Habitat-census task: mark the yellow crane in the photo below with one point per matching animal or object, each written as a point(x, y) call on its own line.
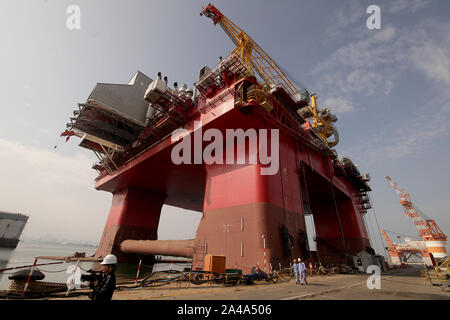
point(257, 60)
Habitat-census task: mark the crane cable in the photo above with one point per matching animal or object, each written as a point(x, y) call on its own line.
point(404, 234)
point(303, 174)
point(298, 83)
point(366, 224)
point(341, 230)
point(282, 189)
point(378, 226)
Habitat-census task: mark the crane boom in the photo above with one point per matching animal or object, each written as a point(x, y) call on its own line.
point(257, 60)
point(389, 242)
point(250, 52)
point(428, 229)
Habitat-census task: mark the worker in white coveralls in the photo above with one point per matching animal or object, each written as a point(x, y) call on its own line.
point(302, 271)
point(295, 270)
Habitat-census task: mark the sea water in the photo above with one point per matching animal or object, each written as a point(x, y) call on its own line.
point(25, 252)
point(24, 255)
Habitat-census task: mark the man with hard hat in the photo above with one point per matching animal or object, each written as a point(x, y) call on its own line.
point(106, 284)
point(302, 271)
point(295, 270)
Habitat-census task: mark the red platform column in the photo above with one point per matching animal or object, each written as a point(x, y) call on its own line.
point(243, 209)
point(134, 214)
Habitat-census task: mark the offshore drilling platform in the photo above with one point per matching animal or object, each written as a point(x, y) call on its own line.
point(247, 216)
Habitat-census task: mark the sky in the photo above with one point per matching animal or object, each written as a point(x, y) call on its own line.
point(389, 88)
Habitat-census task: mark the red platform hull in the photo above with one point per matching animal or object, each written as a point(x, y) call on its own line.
point(243, 211)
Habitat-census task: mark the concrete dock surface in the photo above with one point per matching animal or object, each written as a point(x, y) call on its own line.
point(402, 284)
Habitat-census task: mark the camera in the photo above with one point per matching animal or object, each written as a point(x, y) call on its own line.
point(92, 276)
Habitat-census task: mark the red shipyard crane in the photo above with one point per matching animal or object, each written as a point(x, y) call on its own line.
point(430, 232)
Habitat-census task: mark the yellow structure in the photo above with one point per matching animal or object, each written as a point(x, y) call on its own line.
point(257, 60)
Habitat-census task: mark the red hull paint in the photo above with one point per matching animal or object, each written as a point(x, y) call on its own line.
point(239, 205)
point(134, 214)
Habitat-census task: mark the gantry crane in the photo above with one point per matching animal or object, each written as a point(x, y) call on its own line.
point(257, 60)
point(428, 229)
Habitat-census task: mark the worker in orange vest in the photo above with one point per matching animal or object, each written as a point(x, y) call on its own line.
point(295, 270)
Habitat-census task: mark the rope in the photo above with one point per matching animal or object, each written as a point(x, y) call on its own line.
point(306, 186)
point(378, 226)
point(341, 230)
point(217, 278)
point(184, 276)
point(4, 272)
point(404, 234)
point(282, 189)
point(83, 269)
point(339, 221)
point(51, 271)
point(368, 227)
point(29, 266)
point(299, 84)
point(36, 268)
point(303, 173)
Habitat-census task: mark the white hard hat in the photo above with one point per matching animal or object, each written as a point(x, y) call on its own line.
point(109, 259)
point(299, 259)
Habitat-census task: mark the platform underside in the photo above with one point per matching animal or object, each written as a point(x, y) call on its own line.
point(240, 206)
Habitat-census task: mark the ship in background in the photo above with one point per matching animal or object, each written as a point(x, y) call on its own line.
point(11, 227)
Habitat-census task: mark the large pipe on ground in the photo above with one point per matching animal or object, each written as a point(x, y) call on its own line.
point(174, 248)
